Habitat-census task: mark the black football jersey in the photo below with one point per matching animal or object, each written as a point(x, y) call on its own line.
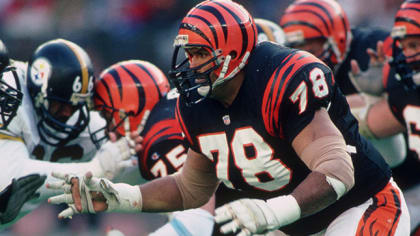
point(363, 38)
point(405, 105)
point(164, 149)
point(249, 143)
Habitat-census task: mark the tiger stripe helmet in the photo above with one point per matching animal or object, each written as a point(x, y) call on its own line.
point(311, 19)
point(128, 90)
point(269, 31)
point(222, 27)
point(407, 23)
point(407, 20)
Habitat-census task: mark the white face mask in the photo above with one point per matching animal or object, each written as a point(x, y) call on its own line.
point(416, 78)
point(204, 90)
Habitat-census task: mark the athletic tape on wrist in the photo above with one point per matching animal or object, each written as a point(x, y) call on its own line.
point(285, 208)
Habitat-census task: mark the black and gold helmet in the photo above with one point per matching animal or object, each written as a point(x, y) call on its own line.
point(60, 72)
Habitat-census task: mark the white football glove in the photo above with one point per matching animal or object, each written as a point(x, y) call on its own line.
point(253, 216)
point(118, 197)
point(112, 158)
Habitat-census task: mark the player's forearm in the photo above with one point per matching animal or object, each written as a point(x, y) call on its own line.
point(161, 195)
point(314, 194)
point(382, 122)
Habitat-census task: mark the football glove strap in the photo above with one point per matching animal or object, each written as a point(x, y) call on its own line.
point(119, 197)
point(254, 216)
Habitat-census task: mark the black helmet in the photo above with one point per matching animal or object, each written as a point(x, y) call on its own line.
point(4, 56)
point(60, 71)
point(10, 93)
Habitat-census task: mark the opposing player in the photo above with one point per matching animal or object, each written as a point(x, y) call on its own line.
point(19, 191)
point(322, 28)
point(268, 121)
point(10, 94)
point(52, 123)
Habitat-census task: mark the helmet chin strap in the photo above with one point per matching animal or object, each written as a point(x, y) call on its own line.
point(204, 90)
point(335, 49)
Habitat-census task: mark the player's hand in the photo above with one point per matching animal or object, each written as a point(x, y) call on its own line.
point(245, 217)
point(112, 158)
point(137, 143)
point(16, 194)
point(369, 81)
point(88, 194)
point(378, 57)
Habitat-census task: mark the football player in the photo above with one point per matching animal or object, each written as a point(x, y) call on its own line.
point(14, 195)
point(135, 93)
point(322, 28)
point(400, 112)
point(51, 125)
point(266, 31)
point(269, 121)
point(10, 94)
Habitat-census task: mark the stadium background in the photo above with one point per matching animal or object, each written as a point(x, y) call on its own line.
point(115, 30)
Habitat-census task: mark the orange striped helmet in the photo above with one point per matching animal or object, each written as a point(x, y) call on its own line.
point(127, 90)
point(226, 30)
point(407, 23)
point(407, 20)
point(312, 19)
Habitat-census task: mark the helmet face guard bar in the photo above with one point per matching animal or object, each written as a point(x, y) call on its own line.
point(10, 98)
point(57, 133)
point(100, 135)
point(183, 77)
point(403, 69)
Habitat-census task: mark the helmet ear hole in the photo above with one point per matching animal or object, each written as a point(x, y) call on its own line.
point(233, 54)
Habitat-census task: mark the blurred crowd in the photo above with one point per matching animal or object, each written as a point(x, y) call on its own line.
point(115, 30)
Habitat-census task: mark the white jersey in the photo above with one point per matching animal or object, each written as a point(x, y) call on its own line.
point(23, 152)
point(24, 127)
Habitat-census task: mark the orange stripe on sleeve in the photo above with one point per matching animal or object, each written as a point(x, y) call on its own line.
point(276, 88)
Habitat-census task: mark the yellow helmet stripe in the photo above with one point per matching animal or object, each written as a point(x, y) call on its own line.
point(9, 137)
point(83, 66)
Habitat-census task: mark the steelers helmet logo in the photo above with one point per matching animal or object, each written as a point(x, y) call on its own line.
point(40, 71)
